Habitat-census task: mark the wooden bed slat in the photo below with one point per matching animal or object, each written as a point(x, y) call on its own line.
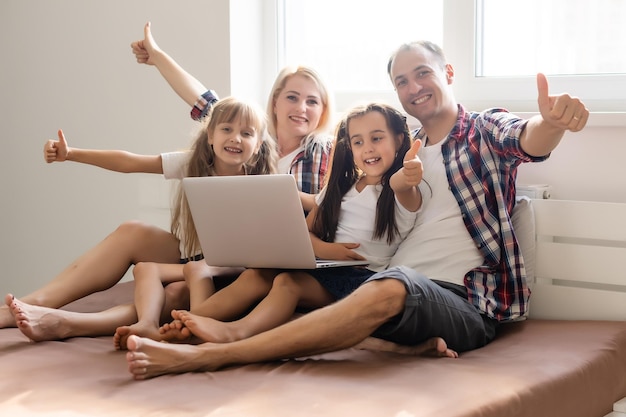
point(580, 219)
point(565, 303)
point(582, 263)
point(580, 269)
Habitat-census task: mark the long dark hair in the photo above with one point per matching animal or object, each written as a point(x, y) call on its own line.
point(344, 174)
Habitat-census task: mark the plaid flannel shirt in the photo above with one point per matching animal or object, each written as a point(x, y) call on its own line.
point(481, 155)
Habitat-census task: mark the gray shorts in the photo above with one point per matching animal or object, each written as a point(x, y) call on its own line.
point(435, 309)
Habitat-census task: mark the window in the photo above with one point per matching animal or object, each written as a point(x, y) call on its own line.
point(495, 46)
point(547, 36)
point(349, 41)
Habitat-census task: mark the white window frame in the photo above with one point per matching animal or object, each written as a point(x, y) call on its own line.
point(604, 95)
point(601, 93)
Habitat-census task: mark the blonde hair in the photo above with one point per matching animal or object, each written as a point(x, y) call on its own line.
point(202, 161)
point(324, 124)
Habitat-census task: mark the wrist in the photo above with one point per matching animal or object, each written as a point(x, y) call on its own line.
point(158, 57)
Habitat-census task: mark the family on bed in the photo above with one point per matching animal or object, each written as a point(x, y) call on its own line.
point(437, 204)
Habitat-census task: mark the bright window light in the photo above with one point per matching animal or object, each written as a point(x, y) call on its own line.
point(350, 41)
point(557, 37)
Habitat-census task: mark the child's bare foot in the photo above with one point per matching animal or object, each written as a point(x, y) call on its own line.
point(435, 346)
point(38, 323)
point(174, 332)
point(147, 358)
point(210, 330)
point(142, 329)
point(6, 318)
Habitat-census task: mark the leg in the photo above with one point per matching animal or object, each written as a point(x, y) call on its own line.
point(289, 290)
point(435, 310)
point(103, 266)
point(337, 326)
point(227, 304)
point(43, 323)
point(199, 278)
point(149, 300)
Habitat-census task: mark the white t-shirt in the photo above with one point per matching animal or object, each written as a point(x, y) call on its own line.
point(356, 225)
point(284, 163)
point(175, 164)
point(439, 246)
point(175, 167)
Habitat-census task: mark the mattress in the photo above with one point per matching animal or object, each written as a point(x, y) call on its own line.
point(533, 368)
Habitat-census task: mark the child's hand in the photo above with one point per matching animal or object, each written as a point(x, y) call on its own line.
point(56, 151)
point(144, 49)
point(410, 175)
point(338, 251)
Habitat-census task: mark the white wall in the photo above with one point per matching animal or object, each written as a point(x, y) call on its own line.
point(67, 64)
point(587, 165)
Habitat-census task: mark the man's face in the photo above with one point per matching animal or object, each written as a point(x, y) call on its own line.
point(422, 85)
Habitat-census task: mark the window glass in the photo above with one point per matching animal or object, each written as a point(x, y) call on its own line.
point(495, 46)
point(350, 41)
point(556, 37)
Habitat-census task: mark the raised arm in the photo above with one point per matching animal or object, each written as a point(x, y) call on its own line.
point(184, 84)
point(405, 181)
point(557, 114)
point(120, 161)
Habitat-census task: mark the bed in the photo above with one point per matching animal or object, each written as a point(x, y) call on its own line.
point(568, 358)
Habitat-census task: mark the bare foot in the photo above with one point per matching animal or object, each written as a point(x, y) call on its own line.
point(38, 323)
point(142, 329)
point(6, 318)
point(174, 332)
point(434, 346)
point(147, 358)
point(208, 329)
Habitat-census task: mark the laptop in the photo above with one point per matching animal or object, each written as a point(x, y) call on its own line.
point(253, 221)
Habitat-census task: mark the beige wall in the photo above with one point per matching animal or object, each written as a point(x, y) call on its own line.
point(68, 64)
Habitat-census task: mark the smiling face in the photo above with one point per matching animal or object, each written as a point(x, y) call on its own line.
point(298, 108)
point(423, 84)
point(234, 143)
point(373, 145)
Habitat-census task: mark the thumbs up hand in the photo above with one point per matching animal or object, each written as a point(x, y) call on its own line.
point(562, 111)
point(145, 48)
point(412, 169)
point(56, 150)
point(404, 182)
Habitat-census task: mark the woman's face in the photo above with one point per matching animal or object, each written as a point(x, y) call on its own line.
point(298, 108)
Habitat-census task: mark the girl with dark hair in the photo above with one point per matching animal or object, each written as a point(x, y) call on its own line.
point(368, 206)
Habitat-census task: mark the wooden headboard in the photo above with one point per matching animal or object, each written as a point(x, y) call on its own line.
point(580, 260)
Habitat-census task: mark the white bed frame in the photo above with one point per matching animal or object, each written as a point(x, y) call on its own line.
point(580, 273)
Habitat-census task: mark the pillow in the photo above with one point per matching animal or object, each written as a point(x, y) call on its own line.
point(523, 219)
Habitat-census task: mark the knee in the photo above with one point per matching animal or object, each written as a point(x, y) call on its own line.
point(132, 228)
point(284, 281)
point(143, 269)
point(177, 295)
point(385, 297)
point(195, 269)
